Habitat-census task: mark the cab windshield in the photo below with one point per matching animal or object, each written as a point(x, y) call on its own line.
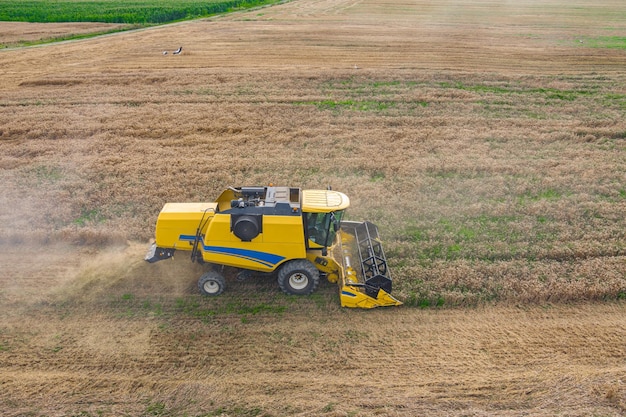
point(322, 227)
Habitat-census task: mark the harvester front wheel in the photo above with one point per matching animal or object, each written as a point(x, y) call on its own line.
point(298, 277)
point(211, 283)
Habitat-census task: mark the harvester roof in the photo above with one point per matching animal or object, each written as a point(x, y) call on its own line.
point(324, 201)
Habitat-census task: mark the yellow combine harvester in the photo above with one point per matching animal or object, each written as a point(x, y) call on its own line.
point(297, 233)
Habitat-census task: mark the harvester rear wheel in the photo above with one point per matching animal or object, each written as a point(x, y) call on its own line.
point(298, 277)
point(211, 283)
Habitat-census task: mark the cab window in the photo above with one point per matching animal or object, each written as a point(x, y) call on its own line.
point(322, 227)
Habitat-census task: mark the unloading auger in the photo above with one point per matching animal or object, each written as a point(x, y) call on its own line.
point(297, 234)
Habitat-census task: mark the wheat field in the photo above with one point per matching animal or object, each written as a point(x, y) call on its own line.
point(486, 139)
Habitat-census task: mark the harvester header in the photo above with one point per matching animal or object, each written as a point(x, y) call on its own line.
point(297, 234)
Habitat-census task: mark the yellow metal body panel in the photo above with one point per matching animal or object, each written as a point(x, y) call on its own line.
point(181, 219)
point(351, 297)
point(225, 198)
point(325, 264)
point(282, 239)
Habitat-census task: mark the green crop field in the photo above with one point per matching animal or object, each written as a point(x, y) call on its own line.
point(116, 11)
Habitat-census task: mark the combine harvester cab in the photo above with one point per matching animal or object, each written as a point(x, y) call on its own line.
point(297, 234)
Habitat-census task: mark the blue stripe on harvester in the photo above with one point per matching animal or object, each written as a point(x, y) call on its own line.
point(267, 259)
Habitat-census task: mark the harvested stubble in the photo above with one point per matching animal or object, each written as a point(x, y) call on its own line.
point(490, 154)
point(113, 337)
